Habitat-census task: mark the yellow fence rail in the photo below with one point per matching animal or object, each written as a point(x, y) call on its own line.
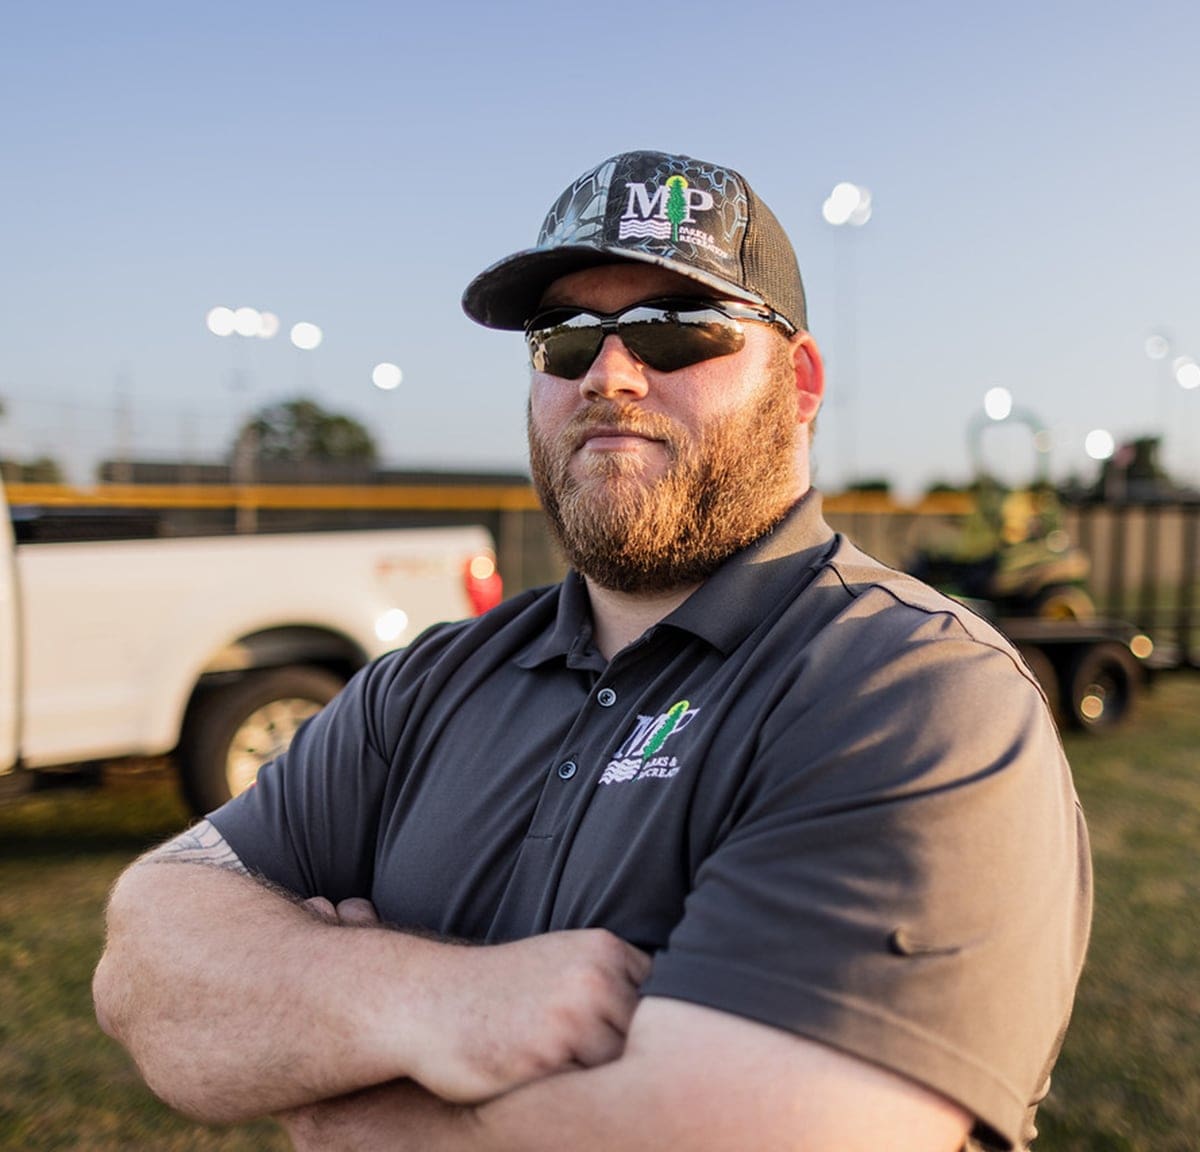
point(513, 497)
point(422, 497)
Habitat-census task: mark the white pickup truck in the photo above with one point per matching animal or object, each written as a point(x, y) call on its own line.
point(213, 649)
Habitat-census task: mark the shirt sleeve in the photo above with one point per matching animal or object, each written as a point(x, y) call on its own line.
point(310, 821)
point(907, 878)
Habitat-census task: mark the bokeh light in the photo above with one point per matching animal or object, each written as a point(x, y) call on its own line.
point(391, 625)
point(1098, 444)
point(482, 567)
point(268, 324)
point(386, 376)
point(246, 321)
point(220, 321)
point(1158, 347)
point(1187, 372)
point(306, 336)
point(847, 204)
point(997, 403)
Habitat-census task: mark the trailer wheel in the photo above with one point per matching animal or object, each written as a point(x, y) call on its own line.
point(1103, 685)
point(232, 731)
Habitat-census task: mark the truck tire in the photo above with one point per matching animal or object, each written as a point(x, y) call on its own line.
point(233, 730)
point(1103, 684)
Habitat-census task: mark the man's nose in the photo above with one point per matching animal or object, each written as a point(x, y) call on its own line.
point(616, 372)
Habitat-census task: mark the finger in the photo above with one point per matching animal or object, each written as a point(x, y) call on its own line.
point(617, 1010)
point(599, 1044)
point(321, 908)
point(637, 963)
point(357, 910)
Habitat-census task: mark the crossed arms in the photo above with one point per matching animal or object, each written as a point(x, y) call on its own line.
point(238, 1001)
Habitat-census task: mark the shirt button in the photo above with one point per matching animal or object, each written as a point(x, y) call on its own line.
point(567, 770)
point(606, 697)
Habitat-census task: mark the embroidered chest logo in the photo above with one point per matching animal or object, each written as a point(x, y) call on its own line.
point(641, 757)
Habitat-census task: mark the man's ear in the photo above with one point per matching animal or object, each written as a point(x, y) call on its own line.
point(810, 376)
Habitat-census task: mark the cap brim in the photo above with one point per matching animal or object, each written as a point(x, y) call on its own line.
point(507, 294)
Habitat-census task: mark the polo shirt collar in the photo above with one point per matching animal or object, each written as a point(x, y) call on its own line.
point(733, 601)
point(571, 634)
point(724, 610)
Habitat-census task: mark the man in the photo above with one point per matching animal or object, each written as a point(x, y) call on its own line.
point(770, 847)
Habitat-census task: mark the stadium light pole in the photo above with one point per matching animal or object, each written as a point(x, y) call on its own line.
point(847, 206)
point(1178, 371)
point(1158, 347)
point(248, 323)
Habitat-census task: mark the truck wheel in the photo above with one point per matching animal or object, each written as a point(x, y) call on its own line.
point(232, 731)
point(1103, 684)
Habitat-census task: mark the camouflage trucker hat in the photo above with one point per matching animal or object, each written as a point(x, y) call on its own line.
point(701, 220)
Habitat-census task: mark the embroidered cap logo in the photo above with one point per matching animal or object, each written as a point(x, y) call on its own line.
point(659, 215)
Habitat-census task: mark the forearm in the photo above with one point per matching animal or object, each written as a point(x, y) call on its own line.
point(588, 1110)
point(592, 1110)
point(690, 1078)
point(237, 1002)
point(622, 1104)
point(386, 1118)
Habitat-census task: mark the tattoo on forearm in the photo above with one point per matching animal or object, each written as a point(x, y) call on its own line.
point(200, 844)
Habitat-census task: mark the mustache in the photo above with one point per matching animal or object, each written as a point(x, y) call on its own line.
point(620, 418)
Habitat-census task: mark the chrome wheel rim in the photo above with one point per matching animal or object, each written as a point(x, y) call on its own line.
point(263, 736)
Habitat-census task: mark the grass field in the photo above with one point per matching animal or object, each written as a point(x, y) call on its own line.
point(1128, 1079)
point(63, 1084)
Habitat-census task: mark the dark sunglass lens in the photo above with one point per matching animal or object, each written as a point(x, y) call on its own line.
point(666, 335)
point(677, 340)
point(565, 349)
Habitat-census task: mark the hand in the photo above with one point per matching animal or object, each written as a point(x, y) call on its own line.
point(502, 1015)
point(506, 1014)
point(353, 911)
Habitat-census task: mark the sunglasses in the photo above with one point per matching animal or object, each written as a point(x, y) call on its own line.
point(663, 334)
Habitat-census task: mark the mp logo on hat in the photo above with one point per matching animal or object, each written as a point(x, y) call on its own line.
point(661, 212)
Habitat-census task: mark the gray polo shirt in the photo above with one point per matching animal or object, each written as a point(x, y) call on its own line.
point(824, 796)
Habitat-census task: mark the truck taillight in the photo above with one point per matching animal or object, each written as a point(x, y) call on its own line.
point(482, 581)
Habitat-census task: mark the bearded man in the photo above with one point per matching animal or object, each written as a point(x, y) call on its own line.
point(734, 840)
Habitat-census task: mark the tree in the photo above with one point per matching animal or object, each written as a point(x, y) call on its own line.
point(942, 488)
point(42, 470)
point(676, 205)
point(301, 430)
point(878, 484)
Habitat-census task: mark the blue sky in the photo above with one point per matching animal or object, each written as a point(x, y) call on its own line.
point(1033, 167)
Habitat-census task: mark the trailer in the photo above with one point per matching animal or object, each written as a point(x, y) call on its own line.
point(1092, 671)
point(1013, 563)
